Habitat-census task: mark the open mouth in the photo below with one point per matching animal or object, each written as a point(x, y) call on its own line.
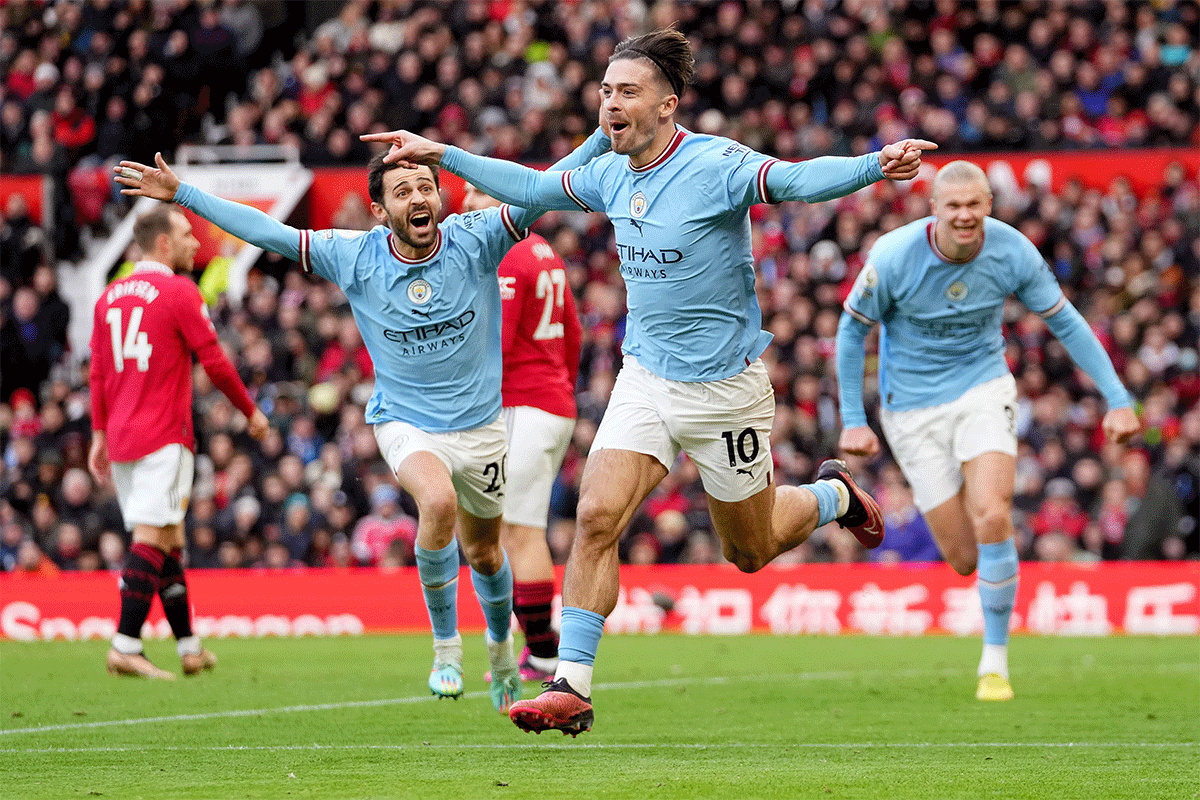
point(618, 127)
point(421, 221)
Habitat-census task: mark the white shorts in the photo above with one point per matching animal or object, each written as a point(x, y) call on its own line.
point(931, 444)
point(155, 489)
point(724, 426)
point(475, 459)
point(537, 442)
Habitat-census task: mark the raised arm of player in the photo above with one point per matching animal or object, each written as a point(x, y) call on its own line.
point(243, 221)
point(830, 177)
point(596, 144)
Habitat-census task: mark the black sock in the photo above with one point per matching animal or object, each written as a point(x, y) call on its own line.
point(532, 602)
point(174, 594)
point(139, 582)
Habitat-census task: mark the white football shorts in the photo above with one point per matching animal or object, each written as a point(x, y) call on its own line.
point(931, 444)
point(724, 426)
point(474, 457)
point(155, 489)
point(537, 442)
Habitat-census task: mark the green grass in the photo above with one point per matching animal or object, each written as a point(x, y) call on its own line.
point(677, 717)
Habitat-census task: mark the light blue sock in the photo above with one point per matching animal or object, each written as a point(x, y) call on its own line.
point(495, 594)
point(827, 501)
point(998, 566)
point(580, 635)
point(438, 570)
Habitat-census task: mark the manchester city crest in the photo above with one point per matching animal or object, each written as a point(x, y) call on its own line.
point(957, 291)
point(637, 205)
point(419, 291)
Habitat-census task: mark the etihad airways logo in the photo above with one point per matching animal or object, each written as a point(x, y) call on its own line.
point(628, 253)
point(434, 330)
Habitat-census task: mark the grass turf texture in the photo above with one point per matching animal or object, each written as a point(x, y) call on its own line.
point(676, 717)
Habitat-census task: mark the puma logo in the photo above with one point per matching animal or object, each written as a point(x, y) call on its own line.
point(637, 224)
point(747, 470)
point(424, 314)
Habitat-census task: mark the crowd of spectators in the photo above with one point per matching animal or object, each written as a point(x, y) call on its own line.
point(89, 82)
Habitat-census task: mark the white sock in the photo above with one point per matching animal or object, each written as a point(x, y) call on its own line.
point(994, 659)
point(188, 644)
point(448, 651)
point(126, 644)
point(500, 654)
point(544, 664)
point(843, 494)
point(579, 676)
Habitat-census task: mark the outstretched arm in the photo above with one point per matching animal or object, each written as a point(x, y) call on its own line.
point(504, 180)
point(596, 144)
point(830, 177)
point(243, 221)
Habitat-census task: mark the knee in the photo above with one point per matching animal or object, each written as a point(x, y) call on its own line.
point(744, 560)
point(596, 522)
point(993, 524)
point(439, 506)
point(484, 557)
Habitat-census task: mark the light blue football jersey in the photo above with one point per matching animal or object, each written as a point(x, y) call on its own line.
point(682, 230)
point(941, 320)
point(432, 326)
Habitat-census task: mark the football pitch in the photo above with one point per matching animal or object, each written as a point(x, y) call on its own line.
point(676, 717)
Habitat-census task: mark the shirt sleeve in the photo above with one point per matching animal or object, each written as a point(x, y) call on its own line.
point(820, 179)
point(243, 221)
point(198, 331)
point(1085, 349)
point(595, 145)
point(330, 253)
point(864, 307)
point(509, 182)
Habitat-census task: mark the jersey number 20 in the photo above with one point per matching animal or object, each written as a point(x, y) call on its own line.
point(134, 344)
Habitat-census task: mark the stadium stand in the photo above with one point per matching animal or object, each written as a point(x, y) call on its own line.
point(86, 83)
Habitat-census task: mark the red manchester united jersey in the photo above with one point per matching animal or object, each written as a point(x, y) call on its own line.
point(145, 328)
point(541, 329)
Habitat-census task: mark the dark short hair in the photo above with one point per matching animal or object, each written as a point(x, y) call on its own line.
point(375, 172)
point(667, 49)
point(151, 225)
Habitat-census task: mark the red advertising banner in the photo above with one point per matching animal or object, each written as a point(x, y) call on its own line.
point(1160, 598)
point(1094, 169)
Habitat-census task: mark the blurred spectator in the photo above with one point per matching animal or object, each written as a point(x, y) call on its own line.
point(375, 533)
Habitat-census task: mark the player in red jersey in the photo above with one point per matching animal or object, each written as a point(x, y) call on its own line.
point(541, 362)
point(145, 329)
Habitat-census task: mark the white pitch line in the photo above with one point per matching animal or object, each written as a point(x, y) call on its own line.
point(606, 746)
point(649, 684)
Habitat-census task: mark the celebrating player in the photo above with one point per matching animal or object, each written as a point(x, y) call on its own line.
point(426, 298)
point(692, 378)
point(146, 327)
point(938, 287)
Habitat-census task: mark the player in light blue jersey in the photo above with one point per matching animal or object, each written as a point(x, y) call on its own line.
point(426, 297)
point(938, 287)
point(692, 379)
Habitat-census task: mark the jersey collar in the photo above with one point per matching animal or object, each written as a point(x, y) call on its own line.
point(937, 251)
point(667, 152)
point(152, 266)
point(437, 248)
